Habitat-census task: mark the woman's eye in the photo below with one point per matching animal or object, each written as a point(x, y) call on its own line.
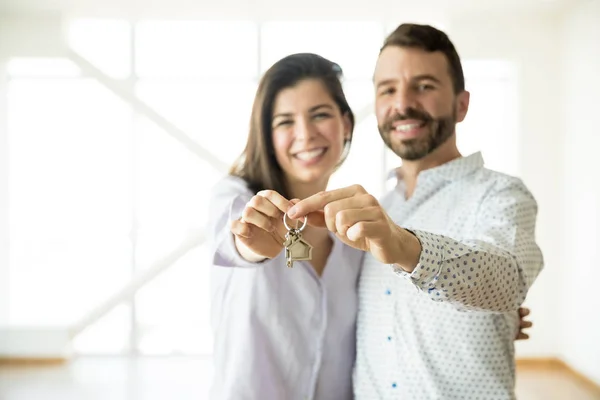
point(284, 123)
point(321, 116)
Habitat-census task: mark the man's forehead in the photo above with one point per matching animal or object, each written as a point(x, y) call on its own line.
point(396, 62)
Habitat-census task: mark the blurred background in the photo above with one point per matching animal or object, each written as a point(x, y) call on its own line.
point(117, 116)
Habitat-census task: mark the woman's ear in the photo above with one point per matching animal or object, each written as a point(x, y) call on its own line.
point(347, 127)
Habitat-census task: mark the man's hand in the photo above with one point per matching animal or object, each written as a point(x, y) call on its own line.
point(523, 324)
point(357, 218)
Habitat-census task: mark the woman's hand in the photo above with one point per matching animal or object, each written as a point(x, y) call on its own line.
point(259, 233)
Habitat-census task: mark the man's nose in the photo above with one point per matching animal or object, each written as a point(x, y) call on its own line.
point(403, 100)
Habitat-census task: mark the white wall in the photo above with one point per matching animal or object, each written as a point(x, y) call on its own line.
point(20, 35)
point(580, 272)
point(3, 198)
point(530, 42)
point(38, 34)
point(559, 59)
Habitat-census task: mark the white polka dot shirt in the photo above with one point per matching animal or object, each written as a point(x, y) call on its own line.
point(446, 330)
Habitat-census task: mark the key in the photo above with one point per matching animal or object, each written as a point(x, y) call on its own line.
point(290, 238)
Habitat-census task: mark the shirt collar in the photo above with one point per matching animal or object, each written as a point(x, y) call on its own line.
point(451, 170)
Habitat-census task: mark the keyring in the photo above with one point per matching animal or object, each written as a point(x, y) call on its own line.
point(288, 228)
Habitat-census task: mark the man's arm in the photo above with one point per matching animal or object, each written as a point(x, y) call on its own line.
point(492, 271)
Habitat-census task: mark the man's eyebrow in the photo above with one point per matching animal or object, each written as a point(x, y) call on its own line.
point(422, 77)
point(386, 82)
point(426, 77)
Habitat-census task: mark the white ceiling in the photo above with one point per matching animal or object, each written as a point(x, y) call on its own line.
point(392, 10)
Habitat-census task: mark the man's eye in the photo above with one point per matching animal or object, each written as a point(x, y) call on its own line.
point(425, 87)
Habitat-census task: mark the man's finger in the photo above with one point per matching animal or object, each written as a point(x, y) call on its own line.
point(523, 311)
point(525, 324)
point(316, 219)
point(346, 219)
point(318, 201)
point(364, 229)
point(522, 336)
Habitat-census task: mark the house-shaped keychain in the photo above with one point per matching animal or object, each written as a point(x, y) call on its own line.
point(297, 249)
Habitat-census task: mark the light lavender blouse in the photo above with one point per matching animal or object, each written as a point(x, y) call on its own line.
point(279, 333)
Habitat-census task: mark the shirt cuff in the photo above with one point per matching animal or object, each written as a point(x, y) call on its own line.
point(226, 253)
point(427, 271)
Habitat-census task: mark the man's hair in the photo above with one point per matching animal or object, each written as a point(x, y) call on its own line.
point(430, 39)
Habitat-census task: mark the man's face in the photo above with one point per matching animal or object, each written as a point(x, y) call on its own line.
point(415, 103)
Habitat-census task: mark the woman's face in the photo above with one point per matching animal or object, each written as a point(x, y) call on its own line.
point(309, 132)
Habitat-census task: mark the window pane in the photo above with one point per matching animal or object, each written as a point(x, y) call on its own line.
point(42, 67)
point(196, 49)
point(172, 193)
point(353, 45)
point(491, 124)
point(109, 335)
point(174, 311)
point(417, 18)
point(70, 198)
point(360, 96)
point(103, 42)
point(215, 114)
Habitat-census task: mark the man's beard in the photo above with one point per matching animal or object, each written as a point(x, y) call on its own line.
point(438, 132)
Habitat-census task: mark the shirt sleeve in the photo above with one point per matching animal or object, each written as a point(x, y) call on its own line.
point(228, 200)
point(494, 269)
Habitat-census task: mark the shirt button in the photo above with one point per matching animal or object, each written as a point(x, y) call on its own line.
point(389, 338)
point(388, 292)
point(394, 385)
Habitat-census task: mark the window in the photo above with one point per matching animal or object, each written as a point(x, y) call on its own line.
point(69, 195)
point(103, 42)
point(491, 125)
point(353, 45)
point(99, 192)
point(184, 49)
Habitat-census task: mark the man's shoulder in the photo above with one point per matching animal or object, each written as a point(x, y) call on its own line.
point(497, 180)
point(494, 186)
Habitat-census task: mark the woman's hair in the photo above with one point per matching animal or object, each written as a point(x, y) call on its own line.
point(257, 164)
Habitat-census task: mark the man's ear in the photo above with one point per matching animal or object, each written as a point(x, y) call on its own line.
point(462, 105)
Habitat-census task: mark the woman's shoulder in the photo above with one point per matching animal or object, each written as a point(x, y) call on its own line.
point(230, 185)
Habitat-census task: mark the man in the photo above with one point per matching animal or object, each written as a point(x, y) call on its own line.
point(451, 250)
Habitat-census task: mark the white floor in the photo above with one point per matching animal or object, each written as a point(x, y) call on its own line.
point(107, 378)
point(156, 378)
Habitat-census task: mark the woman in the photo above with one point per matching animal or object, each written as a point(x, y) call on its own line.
point(284, 333)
